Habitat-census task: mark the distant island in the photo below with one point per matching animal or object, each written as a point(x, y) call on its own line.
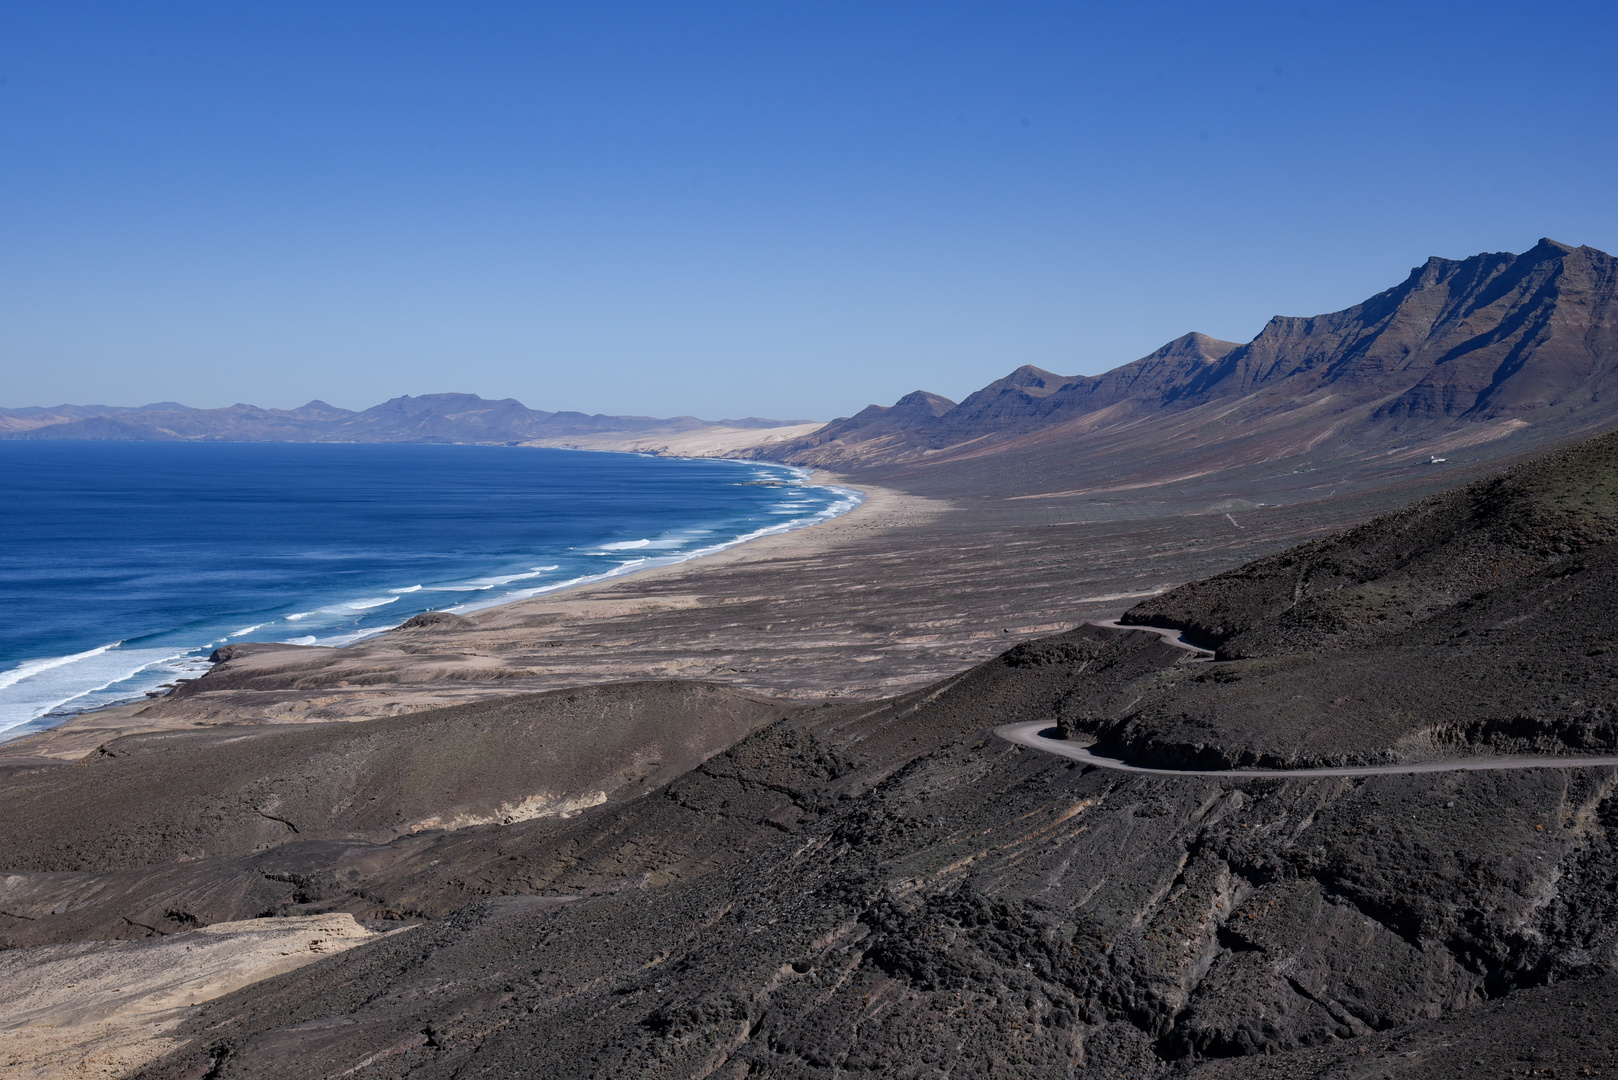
point(428, 418)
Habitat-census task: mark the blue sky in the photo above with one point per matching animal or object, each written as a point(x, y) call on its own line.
point(779, 209)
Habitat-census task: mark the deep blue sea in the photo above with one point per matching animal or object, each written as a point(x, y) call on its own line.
point(123, 565)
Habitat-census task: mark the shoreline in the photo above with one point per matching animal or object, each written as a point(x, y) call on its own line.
point(809, 480)
point(185, 662)
point(872, 499)
point(81, 733)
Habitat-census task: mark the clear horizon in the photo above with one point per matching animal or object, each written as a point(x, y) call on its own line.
point(733, 210)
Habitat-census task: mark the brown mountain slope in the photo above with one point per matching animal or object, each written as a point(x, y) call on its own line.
point(892, 891)
point(1484, 355)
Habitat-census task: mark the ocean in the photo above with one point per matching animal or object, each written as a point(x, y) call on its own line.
point(123, 565)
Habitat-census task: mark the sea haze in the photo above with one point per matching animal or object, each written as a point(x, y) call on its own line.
point(122, 565)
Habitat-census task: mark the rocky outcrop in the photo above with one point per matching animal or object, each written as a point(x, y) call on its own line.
point(435, 620)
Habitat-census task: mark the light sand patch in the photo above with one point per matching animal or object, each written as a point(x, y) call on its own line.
point(714, 441)
point(102, 1008)
point(544, 804)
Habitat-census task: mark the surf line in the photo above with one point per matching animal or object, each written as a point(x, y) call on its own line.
point(1040, 736)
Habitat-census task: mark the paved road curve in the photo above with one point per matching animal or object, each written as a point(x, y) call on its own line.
point(1038, 736)
point(1172, 637)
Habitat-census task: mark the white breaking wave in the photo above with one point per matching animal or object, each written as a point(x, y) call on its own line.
point(29, 668)
point(491, 582)
point(79, 680)
point(412, 588)
point(626, 545)
point(363, 605)
point(847, 500)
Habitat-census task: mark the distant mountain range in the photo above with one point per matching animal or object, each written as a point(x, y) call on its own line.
point(1461, 354)
point(431, 418)
point(1483, 356)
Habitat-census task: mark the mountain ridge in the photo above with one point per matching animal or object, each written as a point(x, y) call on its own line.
point(1492, 354)
point(1461, 353)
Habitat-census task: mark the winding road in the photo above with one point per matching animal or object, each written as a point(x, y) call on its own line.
point(1040, 736)
point(1172, 637)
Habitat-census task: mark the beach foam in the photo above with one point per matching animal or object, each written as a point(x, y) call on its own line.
point(29, 668)
point(847, 500)
point(44, 687)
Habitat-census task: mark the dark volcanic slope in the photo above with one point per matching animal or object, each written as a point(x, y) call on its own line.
point(895, 893)
point(1401, 569)
point(181, 796)
point(1462, 354)
point(239, 789)
point(889, 890)
point(1482, 616)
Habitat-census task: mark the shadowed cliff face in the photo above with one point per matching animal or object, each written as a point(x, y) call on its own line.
point(1462, 353)
point(1490, 336)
